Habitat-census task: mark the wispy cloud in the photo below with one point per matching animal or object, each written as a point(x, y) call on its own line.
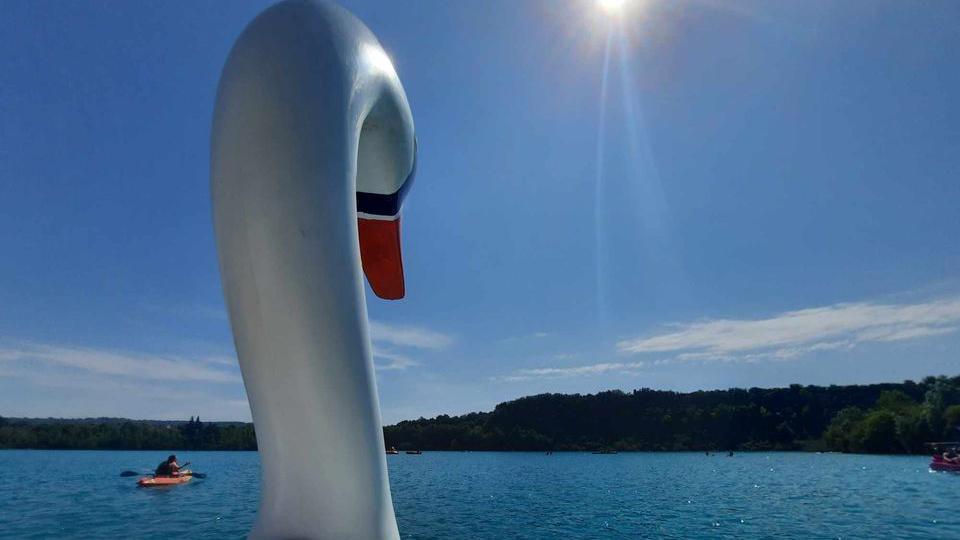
point(118, 364)
point(408, 336)
point(219, 360)
point(385, 337)
point(42, 391)
point(573, 371)
point(794, 333)
point(394, 361)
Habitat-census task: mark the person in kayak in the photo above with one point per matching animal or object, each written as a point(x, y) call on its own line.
point(169, 467)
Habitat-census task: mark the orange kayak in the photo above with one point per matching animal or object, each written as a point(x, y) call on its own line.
point(152, 481)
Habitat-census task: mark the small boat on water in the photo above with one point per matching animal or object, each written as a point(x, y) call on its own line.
point(392, 451)
point(605, 451)
point(414, 452)
point(940, 464)
point(946, 456)
point(159, 481)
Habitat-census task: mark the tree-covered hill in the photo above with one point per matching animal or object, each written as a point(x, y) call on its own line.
point(776, 418)
point(123, 434)
point(887, 418)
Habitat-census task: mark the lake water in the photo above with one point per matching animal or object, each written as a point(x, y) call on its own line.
point(52, 494)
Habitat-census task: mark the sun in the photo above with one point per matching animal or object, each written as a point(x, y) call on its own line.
point(611, 7)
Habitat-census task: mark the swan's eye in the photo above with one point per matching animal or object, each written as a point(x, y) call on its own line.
point(385, 206)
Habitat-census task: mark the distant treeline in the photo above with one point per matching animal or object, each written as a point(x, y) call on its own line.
point(121, 434)
point(881, 418)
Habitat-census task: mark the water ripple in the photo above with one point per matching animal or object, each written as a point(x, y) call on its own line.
point(506, 496)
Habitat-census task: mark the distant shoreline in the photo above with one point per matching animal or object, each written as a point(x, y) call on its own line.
point(889, 418)
point(718, 454)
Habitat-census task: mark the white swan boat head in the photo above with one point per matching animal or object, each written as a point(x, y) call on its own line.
point(312, 152)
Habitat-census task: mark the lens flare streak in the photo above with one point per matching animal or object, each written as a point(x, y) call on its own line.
point(648, 220)
point(598, 188)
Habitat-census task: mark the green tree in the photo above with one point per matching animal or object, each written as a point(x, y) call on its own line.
point(877, 433)
point(941, 393)
point(895, 401)
point(838, 434)
point(951, 421)
point(912, 430)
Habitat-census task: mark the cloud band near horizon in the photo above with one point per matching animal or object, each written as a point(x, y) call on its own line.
point(794, 333)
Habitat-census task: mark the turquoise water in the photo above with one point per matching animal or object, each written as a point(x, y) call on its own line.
point(50, 494)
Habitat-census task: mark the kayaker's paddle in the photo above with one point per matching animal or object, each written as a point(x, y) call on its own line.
point(191, 473)
point(135, 473)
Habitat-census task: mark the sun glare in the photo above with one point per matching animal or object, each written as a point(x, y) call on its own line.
point(379, 59)
point(611, 7)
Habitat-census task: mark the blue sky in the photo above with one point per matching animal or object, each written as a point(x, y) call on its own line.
point(748, 194)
